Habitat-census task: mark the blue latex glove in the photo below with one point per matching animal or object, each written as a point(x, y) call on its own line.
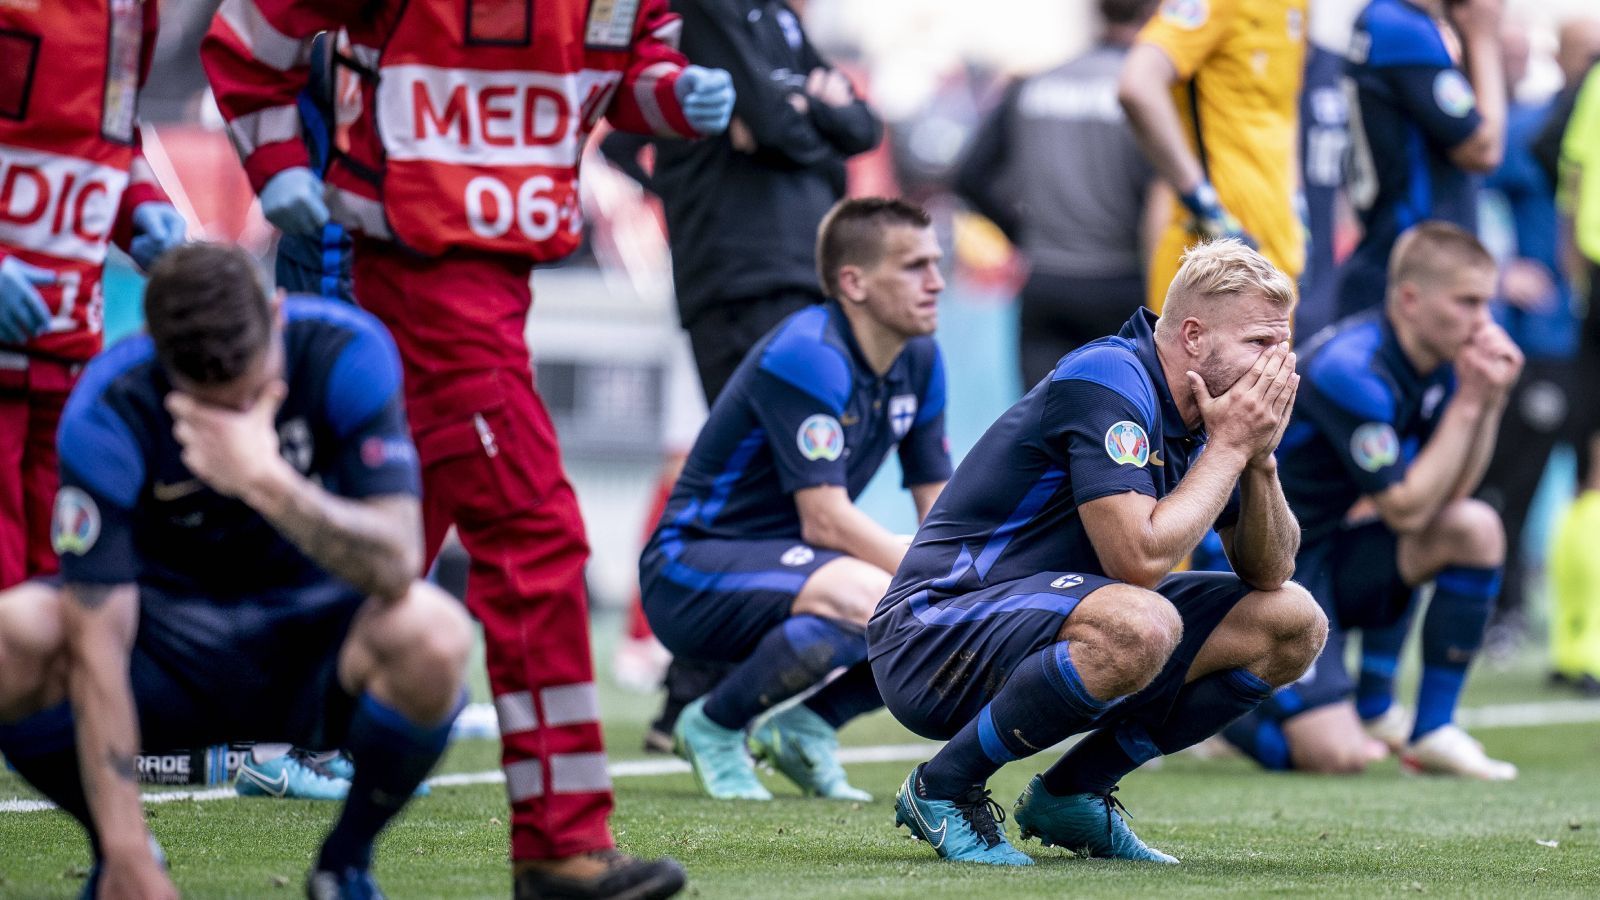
point(292, 200)
point(707, 98)
point(1211, 221)
point(157, 228)
point(23, 313)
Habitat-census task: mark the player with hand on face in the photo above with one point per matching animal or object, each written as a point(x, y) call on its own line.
point(1036, 602)
point(1390, 438)
point(240, 539)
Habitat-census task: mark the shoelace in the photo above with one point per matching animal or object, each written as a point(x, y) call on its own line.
point(1113, 806)
point(982, 813)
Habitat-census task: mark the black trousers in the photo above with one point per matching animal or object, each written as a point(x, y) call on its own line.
point(720, 336)
point(1061, 313)
point(1540, 413)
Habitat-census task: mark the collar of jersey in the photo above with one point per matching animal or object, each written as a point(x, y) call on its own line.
point(1141, 330)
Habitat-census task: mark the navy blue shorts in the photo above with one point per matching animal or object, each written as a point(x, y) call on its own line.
point(1355, 575)
point(715, 599)
point(937, 666)
point(255, 668)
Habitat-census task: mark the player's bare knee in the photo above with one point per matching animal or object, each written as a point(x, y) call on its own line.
point(447, 641)
point(1473, 533)
point(1332, 759)
point(1126, 635)
point(1299, 629)
point(33, 650)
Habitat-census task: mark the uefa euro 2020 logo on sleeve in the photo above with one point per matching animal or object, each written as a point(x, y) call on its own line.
point(820, 437)
point(1127, 444)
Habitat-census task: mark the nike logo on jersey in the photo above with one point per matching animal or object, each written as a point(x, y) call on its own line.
point(277, 787)
point(1156, 460)
point(177, 490)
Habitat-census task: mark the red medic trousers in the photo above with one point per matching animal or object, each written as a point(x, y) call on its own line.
point(33, 391)
point(492, 468)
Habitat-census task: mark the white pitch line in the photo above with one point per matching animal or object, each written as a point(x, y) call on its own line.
point(1510, 715)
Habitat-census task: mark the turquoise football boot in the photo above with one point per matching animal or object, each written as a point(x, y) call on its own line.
point(1087, 824)
point(339, 766)
point(721, 764)
point(798, 743)
point(291, 777)
point(963, 830)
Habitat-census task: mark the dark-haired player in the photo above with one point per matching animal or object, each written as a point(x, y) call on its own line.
point(761, 556)
point(240, 539)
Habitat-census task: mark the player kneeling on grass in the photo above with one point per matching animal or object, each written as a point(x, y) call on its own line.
point(761, 557)
point(1390, 439)
point(240, 540)
point(1036, 602)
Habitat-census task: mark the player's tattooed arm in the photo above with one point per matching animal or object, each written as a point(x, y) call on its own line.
point(374, 544)
point(100, 622)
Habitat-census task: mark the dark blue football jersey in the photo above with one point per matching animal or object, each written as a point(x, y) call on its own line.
point(128, 510)
point(1103, 423)
point(1362, 414)
point(1410, 105)
point(803, 410)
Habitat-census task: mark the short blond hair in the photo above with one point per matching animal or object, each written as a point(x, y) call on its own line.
point(1223, 267)
point(1430, 253)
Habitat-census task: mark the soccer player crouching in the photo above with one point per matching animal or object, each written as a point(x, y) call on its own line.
point(240, 541)
point(761, 557)
point(1036, 602)
point(1389, 441)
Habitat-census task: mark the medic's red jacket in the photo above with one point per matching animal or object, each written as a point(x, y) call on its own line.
point(71, 171)
point(474, 112)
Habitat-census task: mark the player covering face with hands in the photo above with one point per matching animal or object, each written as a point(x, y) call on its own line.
point(1036, 601)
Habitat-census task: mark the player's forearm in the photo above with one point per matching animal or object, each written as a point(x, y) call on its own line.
point(924, 496)
point(1267, 536)
point(375, 545)
point(1145, 93)
point(1433, 476)
point(1181, 519)
point(99, 637)
point(1485, 149)
point(853, 532)
point(1481, 452)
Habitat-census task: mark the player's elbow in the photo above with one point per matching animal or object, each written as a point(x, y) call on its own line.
point(1404, 519)
point(1135, 569)
point(1480, 154)
point(820, 530)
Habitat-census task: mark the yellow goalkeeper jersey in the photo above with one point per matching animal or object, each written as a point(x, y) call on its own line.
point(1239, 66)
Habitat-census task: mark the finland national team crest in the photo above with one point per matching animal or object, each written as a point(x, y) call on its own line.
point(1067, 581)
point(1374, 445)
point(294, 444)
point(76, 524)
point(902, 414)
point(820, 437)
point(798, 555)
point(1127, 444)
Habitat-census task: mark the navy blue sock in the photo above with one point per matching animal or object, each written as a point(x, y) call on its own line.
point(42, 748)
point(792, 657)
point(1204, 707)
point(1380, 660)
point(1042, 703)
point(1260, 738)
point(1452, 632)
point(855, 693)
point(393, 755)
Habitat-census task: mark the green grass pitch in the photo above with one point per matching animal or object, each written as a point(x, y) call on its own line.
point(1238, 831)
